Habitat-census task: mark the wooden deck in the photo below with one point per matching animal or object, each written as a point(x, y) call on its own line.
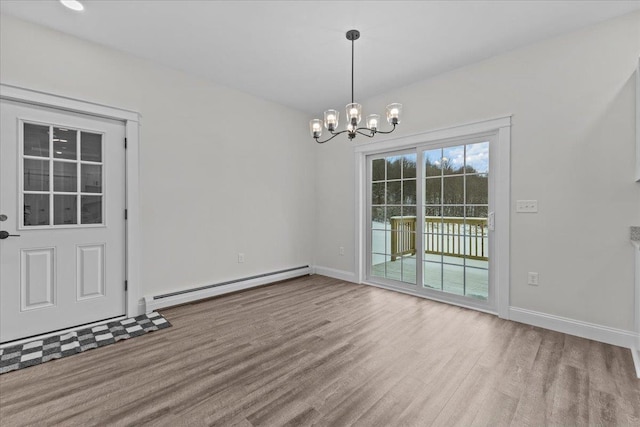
point(318, 351)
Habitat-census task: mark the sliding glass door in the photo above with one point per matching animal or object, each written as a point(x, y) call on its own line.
point(429, 220)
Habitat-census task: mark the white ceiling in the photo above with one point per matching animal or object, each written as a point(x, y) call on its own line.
point(295, 52)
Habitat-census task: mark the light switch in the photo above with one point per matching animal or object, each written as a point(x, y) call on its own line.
point(527, 206)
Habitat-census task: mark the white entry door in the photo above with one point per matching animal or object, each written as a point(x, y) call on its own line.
point(62, 207)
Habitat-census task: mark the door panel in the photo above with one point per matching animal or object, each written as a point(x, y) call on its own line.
point(90, 275)
point(63, 191)
point(37, 278)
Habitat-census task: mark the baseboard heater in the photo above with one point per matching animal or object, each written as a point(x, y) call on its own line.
point(188, 295)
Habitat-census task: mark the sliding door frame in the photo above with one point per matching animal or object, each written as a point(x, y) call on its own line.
point(497, 130)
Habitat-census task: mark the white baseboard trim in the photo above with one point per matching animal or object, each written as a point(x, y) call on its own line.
point(635, 353)
point(152, 304)
point(578, 328)
point(347, 276)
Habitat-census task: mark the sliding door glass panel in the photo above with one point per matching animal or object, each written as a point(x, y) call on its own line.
point(393, 218)
point(455, 239)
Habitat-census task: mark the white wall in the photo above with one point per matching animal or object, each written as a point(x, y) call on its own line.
point(572, 149)
point(572, 100)
point(221, 172)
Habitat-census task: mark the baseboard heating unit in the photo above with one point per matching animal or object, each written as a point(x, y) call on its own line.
point(188, 295)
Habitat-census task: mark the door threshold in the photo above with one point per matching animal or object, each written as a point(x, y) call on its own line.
point(60, 331)
point(462, 304)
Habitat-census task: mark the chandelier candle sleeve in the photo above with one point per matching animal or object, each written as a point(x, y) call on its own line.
point(354, 113)
point(331, 120)
point(315, 126)
point(393, 113)
point(372, 121)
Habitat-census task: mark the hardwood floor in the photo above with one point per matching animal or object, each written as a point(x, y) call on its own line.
point(318, 351)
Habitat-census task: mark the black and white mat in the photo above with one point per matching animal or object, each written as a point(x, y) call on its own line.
point(54, 347)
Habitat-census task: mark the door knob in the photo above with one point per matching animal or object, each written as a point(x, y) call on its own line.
point(5, 234)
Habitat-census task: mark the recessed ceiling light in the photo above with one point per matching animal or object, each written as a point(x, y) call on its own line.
point(73, 5)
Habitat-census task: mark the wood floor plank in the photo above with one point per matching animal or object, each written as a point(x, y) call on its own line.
point(319, 351)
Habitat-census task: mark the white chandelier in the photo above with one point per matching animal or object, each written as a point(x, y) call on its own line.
point(354, 113)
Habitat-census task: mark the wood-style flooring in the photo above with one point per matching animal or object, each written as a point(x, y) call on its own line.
point(318, 351)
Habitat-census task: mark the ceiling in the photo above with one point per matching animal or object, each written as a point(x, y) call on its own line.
point(295, 52)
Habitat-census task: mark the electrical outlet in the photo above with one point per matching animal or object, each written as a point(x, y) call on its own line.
point(532, 278)
point(527, 206)
point(240, 258)
point(341, 250)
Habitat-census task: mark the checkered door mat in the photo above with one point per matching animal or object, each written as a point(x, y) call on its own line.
point(40, 351)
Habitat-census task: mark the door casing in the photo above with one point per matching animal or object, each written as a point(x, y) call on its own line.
point(500, 169)
point(131, 120)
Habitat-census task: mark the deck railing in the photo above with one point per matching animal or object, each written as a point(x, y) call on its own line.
point(451, 236)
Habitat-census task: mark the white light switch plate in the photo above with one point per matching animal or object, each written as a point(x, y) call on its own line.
point(530, 206)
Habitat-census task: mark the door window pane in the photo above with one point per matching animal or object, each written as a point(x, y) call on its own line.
point(378, 193)
point(377, 169)
point(453, 160)
point(379, 242)
point(36, 175)
point(409, 166)
point(409, 262)
point(379, 264)
point(409, 213)
point(64, 143)
point(433, 275)
point(91, 147)
point(36, 140)
point(481, 211)
point(36, 209)
point(394, 192)
point(433, 162)
point(453, 279)
point(477, 282)
point(433, 191)
point(91, 180)
point(394, 167)
point(65, 209)
point(65, 176)
point(91, 209)
point(477, 189)
point(477, 158)
point(453, 190)
point(409, 192)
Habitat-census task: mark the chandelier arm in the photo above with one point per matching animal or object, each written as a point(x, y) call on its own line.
point(329, 139)
point(373, 132)
point(368, 135)
point(389, 131)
